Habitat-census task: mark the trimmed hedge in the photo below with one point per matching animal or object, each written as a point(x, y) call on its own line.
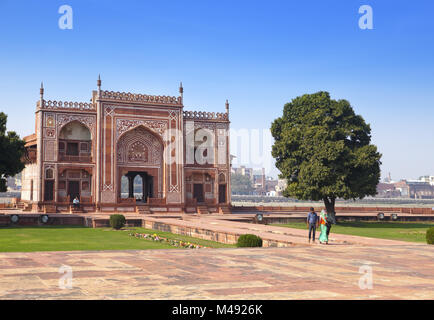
point(430, 236)
point(117, 221)
point(249, 240)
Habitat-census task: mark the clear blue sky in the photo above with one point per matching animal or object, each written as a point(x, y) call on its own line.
point(257, 54)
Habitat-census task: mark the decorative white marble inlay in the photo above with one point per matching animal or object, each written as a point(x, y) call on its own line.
point(174, 188)
point(109, 110)
point(173, 115)
point(88, 121)
point(123, 125)
point(107, 187)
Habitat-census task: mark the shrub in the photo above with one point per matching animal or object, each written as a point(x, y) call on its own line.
point(117, 221)
point(249, 240)
point(430, 236)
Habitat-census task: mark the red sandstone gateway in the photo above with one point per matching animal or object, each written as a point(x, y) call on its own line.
point(104, 151)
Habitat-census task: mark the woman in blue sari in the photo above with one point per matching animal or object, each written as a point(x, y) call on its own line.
point(323, 238)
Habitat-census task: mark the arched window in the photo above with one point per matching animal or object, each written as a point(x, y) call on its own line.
point(137, 185)
point(124, 187)
point(49, 173)
point(75, 142)
point(75, 131)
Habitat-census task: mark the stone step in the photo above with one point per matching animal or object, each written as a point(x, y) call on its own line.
point(225, 210)
point(202, 210)
point(50, 209)
point(76, 210)
point(143, 210)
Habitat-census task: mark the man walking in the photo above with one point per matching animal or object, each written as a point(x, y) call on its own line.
point(312, 223)
point(330, 221)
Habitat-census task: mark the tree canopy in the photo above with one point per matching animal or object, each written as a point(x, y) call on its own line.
point(11, 153)
point(323, 148)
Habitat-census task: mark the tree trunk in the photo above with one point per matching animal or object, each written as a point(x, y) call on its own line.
point(330, 207)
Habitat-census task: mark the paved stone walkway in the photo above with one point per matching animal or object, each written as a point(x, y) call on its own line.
point(282, 235)
point(299, 272)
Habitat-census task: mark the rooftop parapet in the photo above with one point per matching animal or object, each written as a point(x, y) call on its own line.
point(67, 105)
point(144, 98)
point(203, 115)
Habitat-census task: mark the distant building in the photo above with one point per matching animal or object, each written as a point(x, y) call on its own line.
point(420, 190)
point(415, 189)
point(263, 185)
point(428, 179)
point(242, 170)
point(403, 188)
point(387, 190)
point(388, 179)
point(259, 178)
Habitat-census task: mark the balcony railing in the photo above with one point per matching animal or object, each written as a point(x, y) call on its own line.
point(80, 158)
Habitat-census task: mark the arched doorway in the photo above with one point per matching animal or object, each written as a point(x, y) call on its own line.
point(138, 185)
point(139, 156)
point(222, 188)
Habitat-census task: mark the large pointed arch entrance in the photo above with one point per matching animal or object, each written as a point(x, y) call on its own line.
point(139, 157)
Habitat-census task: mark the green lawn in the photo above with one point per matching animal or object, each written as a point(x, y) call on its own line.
point(68, 238)
point(405, 231)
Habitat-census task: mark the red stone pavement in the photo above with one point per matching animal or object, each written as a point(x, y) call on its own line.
point(298, 272)
point(400, 270)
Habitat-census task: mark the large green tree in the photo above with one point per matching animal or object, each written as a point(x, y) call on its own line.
point(323, 149)
point(11, 153)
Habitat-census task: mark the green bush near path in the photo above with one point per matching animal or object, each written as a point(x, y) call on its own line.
point(71, 238)
point(249, 240)
point(403, 231)
point(430, 236)
point(117, 221)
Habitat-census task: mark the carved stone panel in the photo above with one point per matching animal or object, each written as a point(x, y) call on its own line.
point(123, 125)
point(49, 150)
point(140, 148)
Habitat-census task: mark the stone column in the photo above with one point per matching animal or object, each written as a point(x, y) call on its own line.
point(39, 161)
point(216, 189)
point(96, 148)
point(228, 166)
point(56, 182)
point(144, 177)
point(151, 186)
point(130, 186)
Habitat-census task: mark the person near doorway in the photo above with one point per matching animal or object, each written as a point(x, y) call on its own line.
point(76, 203)
point(312, 223)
